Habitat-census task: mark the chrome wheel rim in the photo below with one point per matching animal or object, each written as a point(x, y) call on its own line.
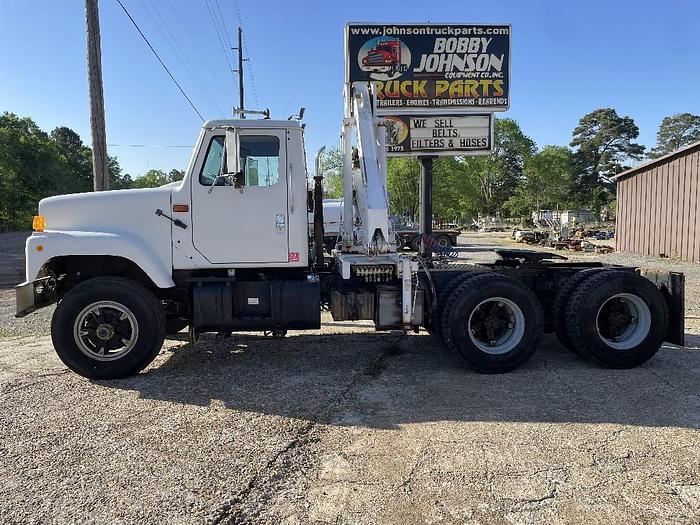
point(105, 330)
point(496, 325)
point(623, 321)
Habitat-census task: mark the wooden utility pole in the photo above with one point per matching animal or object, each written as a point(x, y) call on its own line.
point(97, 107)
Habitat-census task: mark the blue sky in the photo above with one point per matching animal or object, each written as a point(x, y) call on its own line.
point(568, 58)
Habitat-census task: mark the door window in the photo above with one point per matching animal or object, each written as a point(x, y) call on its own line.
point(260, 159)
point(214, 164)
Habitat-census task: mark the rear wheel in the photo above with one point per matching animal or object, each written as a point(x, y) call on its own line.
point(561, 299)
point(442, 296)
point(108, 328)
point(493, 322)
point(619, 320)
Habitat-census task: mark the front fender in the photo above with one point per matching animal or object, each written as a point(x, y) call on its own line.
point(44, 246)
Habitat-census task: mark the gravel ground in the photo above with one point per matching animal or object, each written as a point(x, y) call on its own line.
point(346, 425)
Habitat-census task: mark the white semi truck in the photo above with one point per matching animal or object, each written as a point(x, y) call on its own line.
point(228, 249)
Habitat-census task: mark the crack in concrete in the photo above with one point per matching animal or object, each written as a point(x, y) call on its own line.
point(232, 511)
point(408, 480)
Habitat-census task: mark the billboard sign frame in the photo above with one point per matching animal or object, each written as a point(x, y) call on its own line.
point(401, 138)
point(431, 67)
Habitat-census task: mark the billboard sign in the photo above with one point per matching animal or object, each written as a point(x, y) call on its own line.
point(453, 68)
point(444, 135)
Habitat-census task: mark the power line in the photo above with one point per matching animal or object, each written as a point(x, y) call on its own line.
point(148, 146)
point(179, 52)
point(250, 70)
point(223, 24)
point(204, 60)
point(159, 59)
point(218, 35)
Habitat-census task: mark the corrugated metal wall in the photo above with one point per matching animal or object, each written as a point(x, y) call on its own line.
point(657, 208)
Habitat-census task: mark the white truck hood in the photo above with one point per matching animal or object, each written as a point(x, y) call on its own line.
point(120, 223)
point(109, 211)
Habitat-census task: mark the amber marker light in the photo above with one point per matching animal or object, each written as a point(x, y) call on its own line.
point(39, 223)
point(39, 248)
point(181, 208)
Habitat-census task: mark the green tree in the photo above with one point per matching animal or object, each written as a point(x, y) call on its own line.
point(151, 179)
point(603, 142)
point(333, 173)
point(547, 184)
point(78, 160)
point(117, 181)
point(455, 189)
point(675, 132)
point(499, 173)
point(175, 175)
point(403, 180)
point(31, 168)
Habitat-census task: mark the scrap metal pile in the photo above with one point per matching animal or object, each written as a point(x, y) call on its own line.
point(575, 242)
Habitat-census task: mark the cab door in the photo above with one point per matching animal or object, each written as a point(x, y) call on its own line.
point(242, 224)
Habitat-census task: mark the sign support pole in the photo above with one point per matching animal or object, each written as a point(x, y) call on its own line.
point(426, 200)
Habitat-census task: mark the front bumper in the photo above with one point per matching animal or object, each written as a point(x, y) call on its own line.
point(32, 295)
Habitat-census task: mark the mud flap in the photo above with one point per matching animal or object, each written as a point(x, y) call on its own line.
point(672, 286)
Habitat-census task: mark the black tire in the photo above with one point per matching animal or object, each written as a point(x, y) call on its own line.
point(443, 241)
point(115, 294)
point(174, 324)
point(435, 326)
point(561, 300)
point(473, 297)
point(415, 243)
point(400, 245)
point(594, 311)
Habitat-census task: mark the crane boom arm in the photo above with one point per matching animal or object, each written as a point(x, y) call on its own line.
point(366, 186)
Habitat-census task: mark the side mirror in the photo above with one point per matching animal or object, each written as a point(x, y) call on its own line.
point(238, 180)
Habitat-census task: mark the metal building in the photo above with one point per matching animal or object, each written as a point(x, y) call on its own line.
point(657, 206)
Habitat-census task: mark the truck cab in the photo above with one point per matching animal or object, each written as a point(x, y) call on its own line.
point(241, 204)
point(244, 197)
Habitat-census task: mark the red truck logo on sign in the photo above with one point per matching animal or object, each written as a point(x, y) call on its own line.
point(384, 58)
point(387, 53)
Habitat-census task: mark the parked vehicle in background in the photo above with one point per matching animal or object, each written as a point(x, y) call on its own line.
point(409, 237)
point(332, 219)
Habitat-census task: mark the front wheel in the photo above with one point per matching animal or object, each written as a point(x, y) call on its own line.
point(108, 328)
